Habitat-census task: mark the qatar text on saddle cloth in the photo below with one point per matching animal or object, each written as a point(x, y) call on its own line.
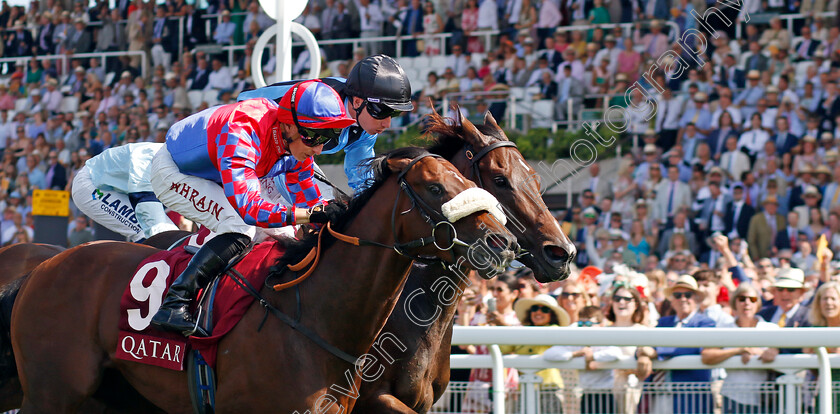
point(141, 343)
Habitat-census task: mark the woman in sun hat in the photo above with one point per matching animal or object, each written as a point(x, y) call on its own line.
point(541, 311)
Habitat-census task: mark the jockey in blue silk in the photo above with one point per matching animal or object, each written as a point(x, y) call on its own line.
point(210, 169)
point(376, 90)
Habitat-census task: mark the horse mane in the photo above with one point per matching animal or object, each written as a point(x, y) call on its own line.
point(448, 137)
point(378, 167)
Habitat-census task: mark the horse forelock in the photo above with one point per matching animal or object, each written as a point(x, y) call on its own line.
point(450, 138)
point(380, 172)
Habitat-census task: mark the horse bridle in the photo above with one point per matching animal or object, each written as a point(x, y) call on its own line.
point(476, 157)
point(429, 214)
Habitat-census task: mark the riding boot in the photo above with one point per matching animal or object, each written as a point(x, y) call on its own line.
point(210, 260)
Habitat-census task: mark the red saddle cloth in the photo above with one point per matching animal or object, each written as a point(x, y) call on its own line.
point(139, 342)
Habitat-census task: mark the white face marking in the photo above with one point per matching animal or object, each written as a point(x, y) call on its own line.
point(457, 177)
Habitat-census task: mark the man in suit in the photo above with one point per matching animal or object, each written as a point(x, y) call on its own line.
point(763, 228)
point(671, 194)
point(193, 27)
point(832, 191)
point(712, 211)
point(680, 224)
point(201, 76)
point(45, 34)
point(729, 74)
point(797, 192)
point(734, 162)
point(788, 237)
point(551, 55)
point(19, 43)
point(785, 141)
point(787, 310)
point(807, 47)
point(748, 99)
point(754, 60)
point(56, 175)
point(685, 296)
point(738, 213)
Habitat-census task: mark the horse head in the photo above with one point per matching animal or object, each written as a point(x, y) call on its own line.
point(485, 155)
point(444, 214)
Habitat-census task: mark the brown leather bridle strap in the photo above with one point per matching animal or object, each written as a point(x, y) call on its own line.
point(314, 256)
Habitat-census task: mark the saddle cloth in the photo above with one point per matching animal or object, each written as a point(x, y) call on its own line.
point(139, 342)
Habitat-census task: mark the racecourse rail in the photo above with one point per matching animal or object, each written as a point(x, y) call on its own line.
point(493, 336)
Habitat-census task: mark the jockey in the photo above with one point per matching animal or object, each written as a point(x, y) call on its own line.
point(209, 172)
point(376, 90)
point(113, 189)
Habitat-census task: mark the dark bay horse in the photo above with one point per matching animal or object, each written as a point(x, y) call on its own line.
point(423, 317)
point(64, 329)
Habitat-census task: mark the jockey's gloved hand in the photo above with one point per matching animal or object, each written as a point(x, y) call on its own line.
point(327, 212)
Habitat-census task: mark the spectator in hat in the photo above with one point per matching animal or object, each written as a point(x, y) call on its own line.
point(52, 96)
point(655, 43)
point(543, 311)
point(78, 39)
point(763, 228)
point(804, 178)
point(812, 197)
point(685, 297)
point(19, 43)
point(748, 99)
point(787, 309)
point(223, 34)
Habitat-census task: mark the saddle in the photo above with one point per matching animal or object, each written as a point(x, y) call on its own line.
point(218, 309)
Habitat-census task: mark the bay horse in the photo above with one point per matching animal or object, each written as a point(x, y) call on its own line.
point(64, 329)
point(423, 317)
point(17, 260)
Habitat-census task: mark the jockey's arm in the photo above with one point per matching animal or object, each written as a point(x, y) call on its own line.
point(355, 154)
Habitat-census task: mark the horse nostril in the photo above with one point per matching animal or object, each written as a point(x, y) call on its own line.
point(556, 254)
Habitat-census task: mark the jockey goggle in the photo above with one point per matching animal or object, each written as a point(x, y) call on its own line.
point(312, 137)
point(380, 111)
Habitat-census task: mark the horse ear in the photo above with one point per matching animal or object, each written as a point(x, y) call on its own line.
point(473, 135)
point(397, 164)
point(490, 121)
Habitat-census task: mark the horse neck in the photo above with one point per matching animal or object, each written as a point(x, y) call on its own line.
point(358, 286)
point(428, 289)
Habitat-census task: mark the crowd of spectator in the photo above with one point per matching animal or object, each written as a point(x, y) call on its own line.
point(734, 293)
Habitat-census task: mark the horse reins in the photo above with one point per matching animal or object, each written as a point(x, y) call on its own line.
point(430, 215)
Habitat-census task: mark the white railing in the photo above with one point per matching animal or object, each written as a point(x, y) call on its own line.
point(817, 338)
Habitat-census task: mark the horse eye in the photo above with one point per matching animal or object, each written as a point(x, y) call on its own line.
point(435, 189)
point(501, 181)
